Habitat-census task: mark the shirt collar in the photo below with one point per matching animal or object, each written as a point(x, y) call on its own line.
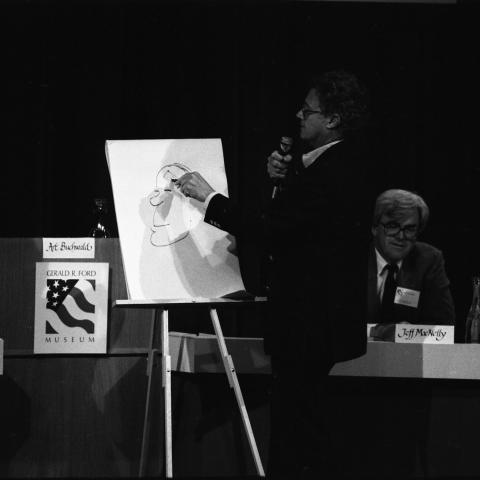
point(381, 262)
point(309, 157)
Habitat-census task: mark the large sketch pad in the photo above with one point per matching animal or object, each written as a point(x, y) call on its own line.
point(168, 250)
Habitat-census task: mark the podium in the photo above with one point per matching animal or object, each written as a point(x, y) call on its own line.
point(160, 309)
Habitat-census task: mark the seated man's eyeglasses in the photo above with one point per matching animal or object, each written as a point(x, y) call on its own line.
point(409, 231)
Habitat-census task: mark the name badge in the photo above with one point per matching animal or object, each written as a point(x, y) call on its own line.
point(407, 297)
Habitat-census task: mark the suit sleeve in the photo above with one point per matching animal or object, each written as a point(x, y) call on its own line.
point(439, 307)
point(223, 214)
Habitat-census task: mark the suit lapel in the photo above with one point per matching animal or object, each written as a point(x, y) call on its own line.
point(406, 275)
point(373, 300)
point(406, 278)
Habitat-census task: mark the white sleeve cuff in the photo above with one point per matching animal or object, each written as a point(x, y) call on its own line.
point(207, 200)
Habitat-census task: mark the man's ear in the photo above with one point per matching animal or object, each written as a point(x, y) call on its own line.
point(374, 230)
point(334, 121)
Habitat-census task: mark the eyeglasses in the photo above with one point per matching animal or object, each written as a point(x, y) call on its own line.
point(306, 112)
point(391, 229)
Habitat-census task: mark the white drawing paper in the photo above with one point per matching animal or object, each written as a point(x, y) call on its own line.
point(168, 251)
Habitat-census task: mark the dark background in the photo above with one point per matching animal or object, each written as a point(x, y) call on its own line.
point(75, 73)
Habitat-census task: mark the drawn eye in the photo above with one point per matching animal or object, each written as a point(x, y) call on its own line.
point(154, 198)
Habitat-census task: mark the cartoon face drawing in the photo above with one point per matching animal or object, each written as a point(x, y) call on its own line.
point(171, 221)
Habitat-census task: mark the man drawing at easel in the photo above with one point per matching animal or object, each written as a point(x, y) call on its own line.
point(316, 230)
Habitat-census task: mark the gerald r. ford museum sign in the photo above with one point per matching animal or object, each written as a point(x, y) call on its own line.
point(71, 307)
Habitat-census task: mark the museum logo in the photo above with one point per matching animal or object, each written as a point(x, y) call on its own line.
point(69, 300)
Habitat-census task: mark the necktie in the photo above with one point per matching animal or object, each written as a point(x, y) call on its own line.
point(386, 309)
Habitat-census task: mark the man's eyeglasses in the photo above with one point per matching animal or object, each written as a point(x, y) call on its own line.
point(391, 229)
point(306, 112)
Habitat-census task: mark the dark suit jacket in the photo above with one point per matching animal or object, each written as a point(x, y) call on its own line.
point(316, 232)
point(423, 269)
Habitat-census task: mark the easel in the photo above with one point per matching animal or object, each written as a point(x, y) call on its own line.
point(160, 312)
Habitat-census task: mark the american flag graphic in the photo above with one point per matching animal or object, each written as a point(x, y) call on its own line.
point(69, 300)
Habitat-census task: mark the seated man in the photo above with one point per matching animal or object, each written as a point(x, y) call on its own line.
point(407, 282)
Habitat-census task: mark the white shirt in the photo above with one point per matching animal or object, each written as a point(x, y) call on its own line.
point(207, 200)
point(382, 273)
point(310, 157)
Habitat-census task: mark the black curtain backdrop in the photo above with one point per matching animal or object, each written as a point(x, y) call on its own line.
point(75, 73)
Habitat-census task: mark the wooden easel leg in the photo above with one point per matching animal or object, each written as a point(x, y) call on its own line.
point(167, 389)
point(146, 419)
point(233, 381)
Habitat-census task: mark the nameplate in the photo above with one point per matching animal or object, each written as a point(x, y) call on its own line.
point(434, 334)
point(69, 247)
point(410, 333)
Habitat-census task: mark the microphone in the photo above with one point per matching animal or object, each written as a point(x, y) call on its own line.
point(286, 144)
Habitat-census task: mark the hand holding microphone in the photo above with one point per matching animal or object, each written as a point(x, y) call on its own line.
point(278, 163)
